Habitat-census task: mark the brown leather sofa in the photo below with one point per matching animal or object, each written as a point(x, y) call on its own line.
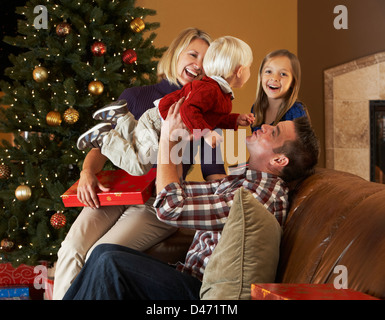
point(335, 219)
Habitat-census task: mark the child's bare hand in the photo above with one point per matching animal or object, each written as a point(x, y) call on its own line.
point(245, 119)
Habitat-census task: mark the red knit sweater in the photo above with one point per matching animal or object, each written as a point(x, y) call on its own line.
point(206, 106)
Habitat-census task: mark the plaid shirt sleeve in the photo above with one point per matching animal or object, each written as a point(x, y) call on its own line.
point(201, 208)
point(206, 205)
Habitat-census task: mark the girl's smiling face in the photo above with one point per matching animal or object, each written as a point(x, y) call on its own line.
point(190, 61)
point(277, 77)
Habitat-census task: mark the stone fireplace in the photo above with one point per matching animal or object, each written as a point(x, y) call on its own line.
point(349, 88)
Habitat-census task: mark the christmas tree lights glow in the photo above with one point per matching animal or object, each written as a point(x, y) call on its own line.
point(50, 102)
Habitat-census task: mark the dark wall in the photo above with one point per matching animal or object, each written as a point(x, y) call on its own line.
point(321, 46)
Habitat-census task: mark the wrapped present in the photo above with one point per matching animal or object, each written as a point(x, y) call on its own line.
point(9, 275)
point(294, 291)
point(23, 276)
point(14, 293)
point(125, 189)
point(48, 293)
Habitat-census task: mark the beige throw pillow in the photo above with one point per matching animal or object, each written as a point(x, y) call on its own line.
point(248, 251)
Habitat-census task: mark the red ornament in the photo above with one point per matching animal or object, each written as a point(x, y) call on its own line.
point(5, 171)
point(98, 49)
point(58, 220)
point(129, 56)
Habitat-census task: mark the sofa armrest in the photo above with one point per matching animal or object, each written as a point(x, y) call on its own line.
point(174, 248)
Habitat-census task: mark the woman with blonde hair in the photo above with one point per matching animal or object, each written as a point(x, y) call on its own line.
point(134, 226)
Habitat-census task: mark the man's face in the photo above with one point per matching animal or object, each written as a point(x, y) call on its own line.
point(262, 142)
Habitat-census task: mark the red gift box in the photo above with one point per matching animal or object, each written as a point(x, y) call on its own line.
point(9, 275)
point(294, 291)
point(124, 189)
point(24, 275)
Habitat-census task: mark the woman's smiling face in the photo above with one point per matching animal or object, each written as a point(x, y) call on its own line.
point(277, 77)
point(190, 61)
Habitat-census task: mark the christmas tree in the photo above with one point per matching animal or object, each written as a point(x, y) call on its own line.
point(75, 57)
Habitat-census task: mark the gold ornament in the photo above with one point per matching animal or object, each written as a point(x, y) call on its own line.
point(71, 115)
point(53, 118)
point(23, 192)
point(63, 29)
point(96, 88)
point(7, 245)
point(40, 74)
point(137, 25)
point(5, 171)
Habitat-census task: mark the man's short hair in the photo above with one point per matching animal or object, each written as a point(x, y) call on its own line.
point(303, 152)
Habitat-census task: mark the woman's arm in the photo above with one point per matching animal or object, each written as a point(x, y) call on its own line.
point(88, 182)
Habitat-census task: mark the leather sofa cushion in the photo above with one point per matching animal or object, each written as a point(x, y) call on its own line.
point(335, 219)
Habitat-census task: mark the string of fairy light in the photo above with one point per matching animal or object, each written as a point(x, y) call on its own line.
point(30, 215)
point(39, 116)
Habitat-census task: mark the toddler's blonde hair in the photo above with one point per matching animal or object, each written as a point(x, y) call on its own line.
point(225, 55)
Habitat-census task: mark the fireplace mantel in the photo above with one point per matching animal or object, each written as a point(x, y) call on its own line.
point(348, 90)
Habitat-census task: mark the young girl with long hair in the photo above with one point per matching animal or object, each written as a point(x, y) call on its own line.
point(279, 80)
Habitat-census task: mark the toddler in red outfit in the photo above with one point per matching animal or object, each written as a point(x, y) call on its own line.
point(207, 105)
point(208, 101)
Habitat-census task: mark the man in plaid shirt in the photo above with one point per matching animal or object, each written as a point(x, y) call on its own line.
point(205, 206)
point(285, 152)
